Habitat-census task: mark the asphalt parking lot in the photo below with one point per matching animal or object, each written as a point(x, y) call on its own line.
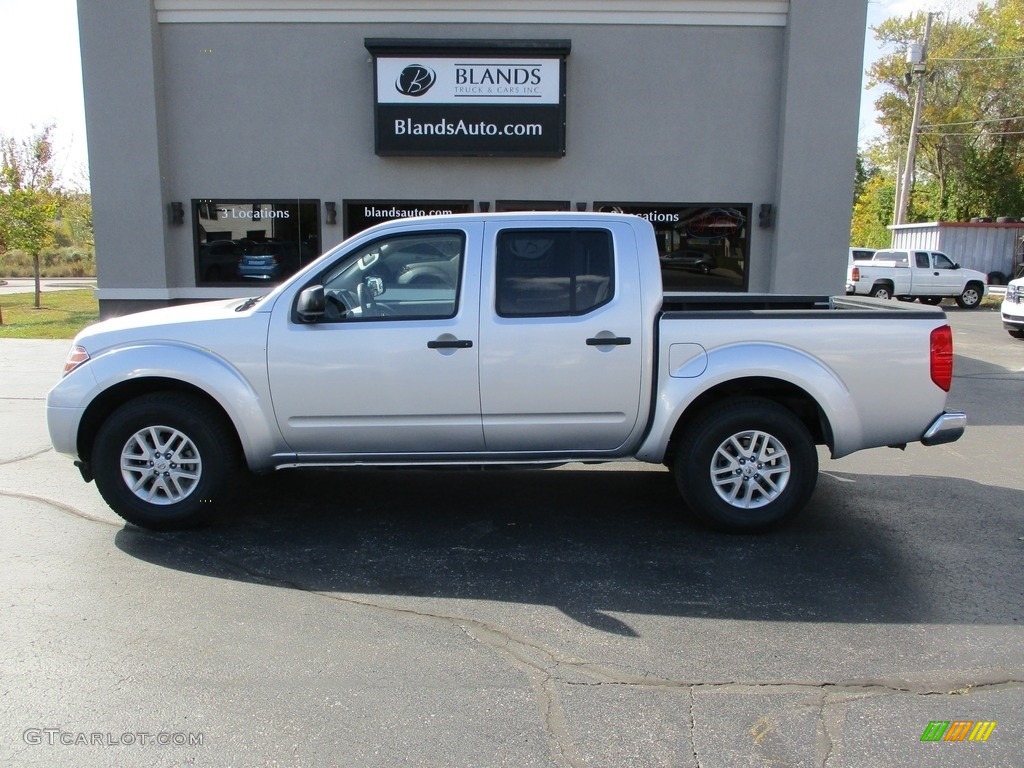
point(569, 617)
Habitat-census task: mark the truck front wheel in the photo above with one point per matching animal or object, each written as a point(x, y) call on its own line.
point(165, 460)
point(971, 296)
point(746, 466)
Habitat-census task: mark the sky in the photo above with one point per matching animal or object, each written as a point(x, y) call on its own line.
point(42, 73)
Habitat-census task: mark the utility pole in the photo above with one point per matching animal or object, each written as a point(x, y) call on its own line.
point(899, 192)
point(917, 55)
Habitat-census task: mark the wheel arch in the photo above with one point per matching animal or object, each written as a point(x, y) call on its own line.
point(119, 374)
point(785, 393)
point(884, 283)
point(978, 285)
point(110, 399)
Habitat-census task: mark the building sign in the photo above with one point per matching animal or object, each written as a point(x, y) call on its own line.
point(363, 214)
point(702, 247)
point(469, 97)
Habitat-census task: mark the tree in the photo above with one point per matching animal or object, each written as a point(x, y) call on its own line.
point(873, 205)
point(970, 158)
point(30, 197)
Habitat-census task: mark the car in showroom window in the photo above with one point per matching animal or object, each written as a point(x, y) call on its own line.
point(250, 241)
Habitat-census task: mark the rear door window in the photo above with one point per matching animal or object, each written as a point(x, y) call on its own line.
point(553, 272)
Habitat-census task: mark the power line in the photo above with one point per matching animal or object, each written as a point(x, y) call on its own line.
point(974, 122)
point(997, 133)
point(978, 58)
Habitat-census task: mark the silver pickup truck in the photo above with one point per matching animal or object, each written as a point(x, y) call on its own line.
point(498, 339)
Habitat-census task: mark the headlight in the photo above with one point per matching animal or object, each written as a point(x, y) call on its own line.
point(76, 356)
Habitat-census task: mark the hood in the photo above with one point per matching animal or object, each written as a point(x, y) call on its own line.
point(975, 274)
point(189, 323)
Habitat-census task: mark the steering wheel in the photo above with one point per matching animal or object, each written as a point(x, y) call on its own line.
point(367, 302)
point(334, 308)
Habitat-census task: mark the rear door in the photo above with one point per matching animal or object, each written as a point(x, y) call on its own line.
point(561, 337)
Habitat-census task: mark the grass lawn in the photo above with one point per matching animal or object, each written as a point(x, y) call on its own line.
point(62, 315)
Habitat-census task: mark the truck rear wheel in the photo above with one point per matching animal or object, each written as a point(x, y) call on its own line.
point(746, 465)
point(882, 291)
point(165, 460)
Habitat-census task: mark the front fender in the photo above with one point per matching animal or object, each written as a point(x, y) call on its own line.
point(244, 398)
point(720, 367)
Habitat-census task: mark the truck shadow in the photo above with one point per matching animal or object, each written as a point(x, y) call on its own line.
point(592, 542)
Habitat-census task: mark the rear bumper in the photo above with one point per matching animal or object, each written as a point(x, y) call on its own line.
point(947, 428)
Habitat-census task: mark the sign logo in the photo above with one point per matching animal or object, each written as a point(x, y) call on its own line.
point(958, 730)
point(415, 80)
point(715, 223)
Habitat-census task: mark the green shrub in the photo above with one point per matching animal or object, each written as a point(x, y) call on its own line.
point(73, 261)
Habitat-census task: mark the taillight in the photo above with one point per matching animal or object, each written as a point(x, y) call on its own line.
point(942, 357)
point(855, 274)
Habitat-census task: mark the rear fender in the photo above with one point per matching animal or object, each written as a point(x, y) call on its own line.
point(726, 366)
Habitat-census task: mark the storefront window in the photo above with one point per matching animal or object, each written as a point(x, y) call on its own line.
point(531, 205)
point(363, 214)
point(702, 247)
point(253, 241)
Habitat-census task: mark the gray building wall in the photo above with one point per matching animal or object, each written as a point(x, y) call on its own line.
point(185, 103)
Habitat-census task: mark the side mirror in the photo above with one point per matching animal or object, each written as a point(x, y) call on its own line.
point(310, 306)
point(375, 285)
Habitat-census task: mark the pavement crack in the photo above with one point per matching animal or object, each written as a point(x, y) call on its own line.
point(58, 505)
point(693, 727)
point(830, 731)
point(25, 456)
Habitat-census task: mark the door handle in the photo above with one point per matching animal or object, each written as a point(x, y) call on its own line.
point(449, 344)
point(609, 341)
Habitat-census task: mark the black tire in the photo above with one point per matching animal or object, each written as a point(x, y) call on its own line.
point(1017, 334)
point(881, 292)
point(766, 489)
point(931, 300)
point(971, 296)
point(199, 467)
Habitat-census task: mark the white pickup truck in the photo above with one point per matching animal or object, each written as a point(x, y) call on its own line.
point(929, 276)
point(498, 339)
point(1012, 308)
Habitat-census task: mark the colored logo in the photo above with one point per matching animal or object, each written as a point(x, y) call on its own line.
point(415, 80)
point(715, 223)
point(958, 730)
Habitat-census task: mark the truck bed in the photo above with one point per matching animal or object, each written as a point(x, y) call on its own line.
point(694, 305)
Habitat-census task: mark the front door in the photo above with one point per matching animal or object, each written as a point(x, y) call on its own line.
point(392, 368)
point(946, 275)
point(561, 338)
